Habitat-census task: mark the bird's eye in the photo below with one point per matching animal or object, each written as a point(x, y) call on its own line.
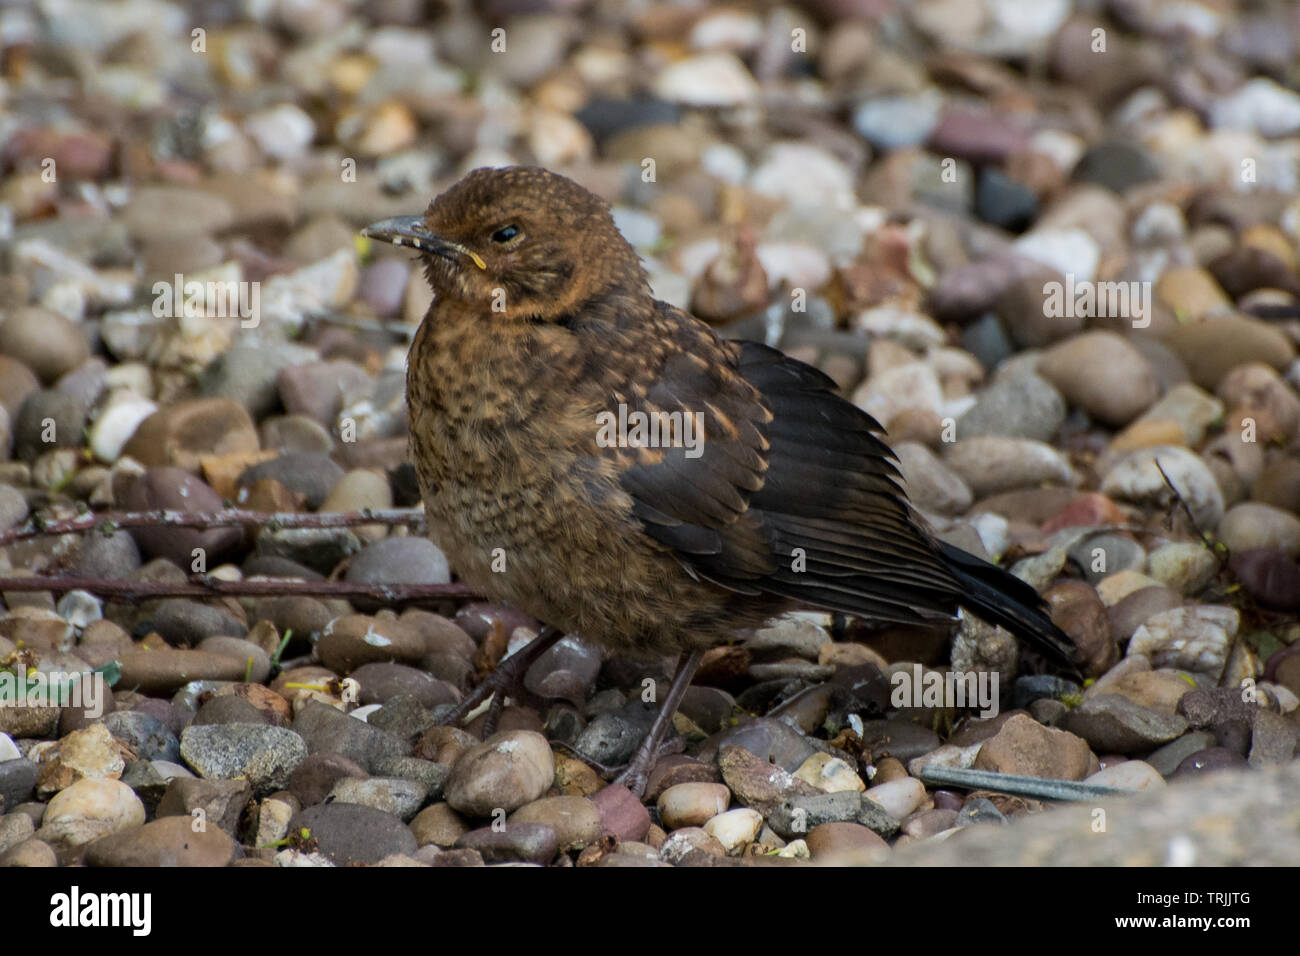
point(505, 234)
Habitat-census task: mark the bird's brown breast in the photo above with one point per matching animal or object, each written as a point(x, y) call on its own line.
point(520, 497)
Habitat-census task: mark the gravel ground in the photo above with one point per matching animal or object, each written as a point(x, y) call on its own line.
point(1051, 245)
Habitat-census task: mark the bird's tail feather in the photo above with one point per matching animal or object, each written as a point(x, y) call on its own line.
point(1004, 599)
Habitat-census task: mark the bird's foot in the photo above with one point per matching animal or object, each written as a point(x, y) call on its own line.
point(627, 773)
point(508, 678)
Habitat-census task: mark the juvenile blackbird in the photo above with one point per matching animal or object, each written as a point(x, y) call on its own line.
point(766, 492)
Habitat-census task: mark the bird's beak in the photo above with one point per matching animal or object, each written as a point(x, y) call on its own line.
point(411, 231)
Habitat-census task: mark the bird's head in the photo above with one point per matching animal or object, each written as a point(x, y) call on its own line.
point(519, 241)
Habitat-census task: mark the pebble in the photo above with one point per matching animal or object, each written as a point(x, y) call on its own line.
point(145, 734)
point(171, 841)
point(222, 802)
point(836, 837)
point(528, 842)
point(404, 560)
point(1137, 478)
point(311, 474)
point(692, 804)
point(1254, 525)
point(990, 464)
point(265, 755)
point(1112, 723)
point(506, 771)
point(1270, 576)
point(33, 853)
point(735, 829)
point(1184, 566)
point(1103, 374)
point(350, 833)
point(1026, 748)
point(438, 825)
point(402, 798)
point(1212, 349)
point(89, 809)
point(1194, 638)
point(622, 815)
point(180, 434)
point(899, 797)
point(175, 489)
point(829, 774)
point(1023, 406)
point(44, 341)
point(1210, 760)
point(356, 639)
point(165, 670)
point(576, 821)
point(691, 846)
point(329, 730)
point(930, 484)
point(708, 80)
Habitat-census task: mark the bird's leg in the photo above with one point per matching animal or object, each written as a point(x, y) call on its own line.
point(508, 677)
point(636, 774)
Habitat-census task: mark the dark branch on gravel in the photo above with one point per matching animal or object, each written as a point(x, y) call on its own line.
point(201, 586)
point(107, 522)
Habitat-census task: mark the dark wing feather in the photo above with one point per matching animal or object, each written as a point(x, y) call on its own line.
point(795, 494)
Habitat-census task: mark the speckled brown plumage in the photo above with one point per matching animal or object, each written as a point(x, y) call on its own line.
point(543, 319)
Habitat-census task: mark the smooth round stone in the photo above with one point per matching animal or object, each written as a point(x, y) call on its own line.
point(314, 778)
point(402, 798)
point(990, 464)
point(257, 663)
point(175, 488)
point(350, 833)
point(380, 681)
point(356, 639)
point(115, 425)
point(1102, 373)
point(1129, 775)
point(43, 340)
point(405, 560)
point(506, 771)
point(438, 825)
point(1184, 566)
point(31, 852)
point(692, 804)
point(829, 774)
point(735, 829)
point(827, 839)
point(898, 797)
point(529, 842)
point(621, 813)
point(165, 670)
point(1253, 525)
point(1208, 761)
point(169, 841)
point(930, 483)
point(180, 434)
point(89, 809)
point(575, 820)
point(1270, 575)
